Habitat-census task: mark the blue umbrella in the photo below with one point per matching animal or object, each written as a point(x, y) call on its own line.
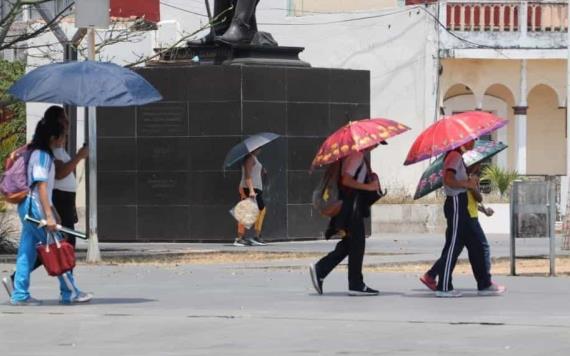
point(86, 83)
point(91, 84)
point(250, 144)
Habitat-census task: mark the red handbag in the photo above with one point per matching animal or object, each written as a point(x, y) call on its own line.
point(57, 257)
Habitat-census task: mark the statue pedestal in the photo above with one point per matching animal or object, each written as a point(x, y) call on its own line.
point(233, 54)
point(160, 165)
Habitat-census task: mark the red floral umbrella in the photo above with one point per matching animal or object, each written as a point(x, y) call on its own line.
point(355, 137)
point(451, 132)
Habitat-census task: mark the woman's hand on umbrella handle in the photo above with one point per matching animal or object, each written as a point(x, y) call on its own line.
point(51, 224)
point(83, 152)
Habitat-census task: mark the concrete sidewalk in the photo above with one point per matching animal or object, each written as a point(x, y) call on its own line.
point(389, 248)
point(245, 308)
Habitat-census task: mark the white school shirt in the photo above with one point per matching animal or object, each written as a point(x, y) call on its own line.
point(67, 183)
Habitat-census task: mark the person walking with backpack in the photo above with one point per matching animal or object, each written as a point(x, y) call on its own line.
point(356, 179)
point(38, 204)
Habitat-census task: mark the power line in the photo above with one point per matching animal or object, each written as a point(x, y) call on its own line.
point(477, 45)
point(361, 18)
point(306, 23)
point(338, 21)
point(183, 10)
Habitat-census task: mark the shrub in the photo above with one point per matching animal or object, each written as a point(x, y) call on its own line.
point(499, 179)
point(7, 245)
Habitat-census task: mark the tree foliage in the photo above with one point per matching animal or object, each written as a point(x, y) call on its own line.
point(500, 179)
point(13, 115)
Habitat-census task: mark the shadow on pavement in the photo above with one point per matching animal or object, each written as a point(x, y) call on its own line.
point(345, 294)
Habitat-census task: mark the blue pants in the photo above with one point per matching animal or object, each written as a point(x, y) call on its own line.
point(30, 237)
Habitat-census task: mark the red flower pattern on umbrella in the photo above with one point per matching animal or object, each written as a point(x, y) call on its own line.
point(356, 136)
point(451, 132)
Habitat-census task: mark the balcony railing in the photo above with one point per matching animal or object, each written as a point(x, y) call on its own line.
point(505, 16)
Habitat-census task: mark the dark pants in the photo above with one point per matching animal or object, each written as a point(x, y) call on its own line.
point(485, 279)
point(353, 246)
point(64, 204)
point(461, 232)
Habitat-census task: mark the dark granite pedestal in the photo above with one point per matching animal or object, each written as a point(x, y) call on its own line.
point(243, 54)
point(160, 165)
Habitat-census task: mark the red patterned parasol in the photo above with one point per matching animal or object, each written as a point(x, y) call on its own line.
point(356, 136)
point(451, 132)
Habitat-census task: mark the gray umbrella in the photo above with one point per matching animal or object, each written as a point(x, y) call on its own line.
point(250, 144)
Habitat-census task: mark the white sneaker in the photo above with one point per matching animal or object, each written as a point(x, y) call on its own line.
point(82, 297)
point(454, 293)
point(28, 302)
point(492, 290)
point(7, 282)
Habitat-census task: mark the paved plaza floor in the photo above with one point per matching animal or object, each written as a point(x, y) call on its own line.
point(270, 308)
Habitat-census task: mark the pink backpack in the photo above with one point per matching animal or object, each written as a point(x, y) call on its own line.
point(14, 181)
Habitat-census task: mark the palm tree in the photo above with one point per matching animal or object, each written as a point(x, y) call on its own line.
point(500, 179)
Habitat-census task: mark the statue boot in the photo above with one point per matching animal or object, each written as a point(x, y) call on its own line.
point(222, 22)
point(243, 26)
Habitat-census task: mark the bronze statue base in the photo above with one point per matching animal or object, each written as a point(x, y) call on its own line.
point(232, 54)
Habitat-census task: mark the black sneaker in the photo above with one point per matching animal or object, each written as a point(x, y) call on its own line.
point(317, 282)
point(365, 291)
point(256, 241)
point(240, 241)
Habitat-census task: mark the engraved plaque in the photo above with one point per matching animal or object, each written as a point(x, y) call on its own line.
point(163, 119)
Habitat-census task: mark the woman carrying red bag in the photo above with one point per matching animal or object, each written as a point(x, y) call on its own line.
point(38, 204)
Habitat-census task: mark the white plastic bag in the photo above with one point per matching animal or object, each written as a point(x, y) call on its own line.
point(246, 212)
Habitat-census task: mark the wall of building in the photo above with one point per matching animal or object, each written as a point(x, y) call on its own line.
point(500, 78)
point(310, 7)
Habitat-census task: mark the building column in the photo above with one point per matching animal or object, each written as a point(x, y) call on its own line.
point(521, 121)
point(520, 133)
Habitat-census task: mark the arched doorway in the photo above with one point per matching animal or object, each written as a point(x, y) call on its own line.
point(546, 133)
point(460, 98)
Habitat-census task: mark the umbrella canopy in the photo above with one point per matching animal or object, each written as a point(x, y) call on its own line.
point(86, 83)
point(451, 132)
point(250, 144)
point(356, 136)
point(432, 178)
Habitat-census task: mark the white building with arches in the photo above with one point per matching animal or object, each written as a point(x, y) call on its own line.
point(509, 57)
